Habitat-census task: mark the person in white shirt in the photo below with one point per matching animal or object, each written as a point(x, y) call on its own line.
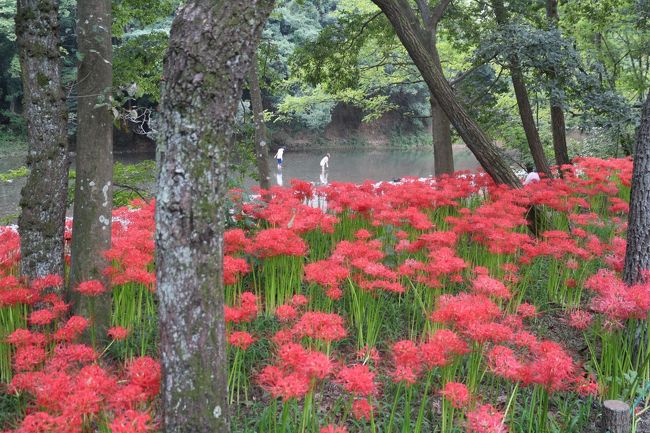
point(324, 163)
point(278, 156)
point(532, 175)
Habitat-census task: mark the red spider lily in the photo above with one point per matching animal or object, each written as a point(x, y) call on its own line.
point(488, 286)
point(485, 419)
point(333, 429)
point(73, 328)
point(456, 393)
point(240, 339)
point(233, 267)
point(131, 421)
point(145, 372)
point(580, 319)
point(118, 333)
point(276, 242)
point(357, 380)
point(246, 312)
point(320, 326)
point(362, 409)
point(286, 313)
point(91, 288)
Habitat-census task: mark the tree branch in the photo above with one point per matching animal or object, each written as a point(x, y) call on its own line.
point(439, 11)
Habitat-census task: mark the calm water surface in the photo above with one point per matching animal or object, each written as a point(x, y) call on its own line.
point(345, 165)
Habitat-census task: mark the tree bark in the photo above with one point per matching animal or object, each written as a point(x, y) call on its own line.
point(43, 199)
point(91, 227)
point(414, 39)
point(637, 253)
point(261, 144)
point(523, 103)
point(210, 51)
point(558, 127)
point(617, 417)
point(443, 154)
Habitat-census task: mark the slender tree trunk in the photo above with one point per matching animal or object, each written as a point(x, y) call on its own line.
point(91, 227)
point(42, 220)
point(443, 155)
point(261, 144)
point(637, 254)
point(210, 51)
point(558, 126)
point(523, 103)
point(414, 39)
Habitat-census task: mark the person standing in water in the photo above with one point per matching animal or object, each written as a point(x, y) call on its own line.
point(325, 163)
point(278, 156)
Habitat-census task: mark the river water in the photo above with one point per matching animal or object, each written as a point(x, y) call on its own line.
point(345, 165)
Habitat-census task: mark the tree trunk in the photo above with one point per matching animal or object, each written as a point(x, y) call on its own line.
point(443, 155)
point(637, 254)
point(261, 145)
point(414, 39)
point(210, 51)
point(523, 103)
point(91, 226)
point(558, 127)
point(43, 201)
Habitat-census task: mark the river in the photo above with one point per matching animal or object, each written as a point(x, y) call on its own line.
point(345, 165)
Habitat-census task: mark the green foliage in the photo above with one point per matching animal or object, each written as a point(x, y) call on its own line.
point(16, 173)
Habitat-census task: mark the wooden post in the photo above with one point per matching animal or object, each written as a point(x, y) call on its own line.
point(617, 417)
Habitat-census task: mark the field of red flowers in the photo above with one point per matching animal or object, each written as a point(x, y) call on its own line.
point(423, 306)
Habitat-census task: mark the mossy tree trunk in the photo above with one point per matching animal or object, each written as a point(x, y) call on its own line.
point(91, 229)
point(637, 254)
point(523, 102)
point(43, 201)
point(416, 41)
point(261, 143)
point(212, 44)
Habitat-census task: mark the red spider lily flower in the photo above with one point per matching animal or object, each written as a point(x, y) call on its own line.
point(333, 429)
point(131, 421)
point(233, 267)
point(279, 384)
point(28, 357)
point(91, 288)
point(118, 333)
point(25, 337)
point(72, 330)
point(586, 386)
point(234, 241)
point(245, 313)
point(488, 286)
point(357, 380)
point(327, 273)
point(504, 362)
point(241, 339)
point(408, 362)
point(580, 319)
point(276, 242)
point(299, 300)
point(527, 311)
point(456, 393)
point(286, 313)
point(41, 317)
point(145, 372)
point(362, 409)
point(320, 326)
point(485, 419)
point(48, 281)
point(441, 347)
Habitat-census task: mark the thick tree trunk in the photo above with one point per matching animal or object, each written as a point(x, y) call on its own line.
point(210, 51)
point(523, 103)
point(558, 127)
point(42, 220)
point(261, 144)
point(414, 39)
point(443, 155)
point(91, 227)
point(637, 254)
